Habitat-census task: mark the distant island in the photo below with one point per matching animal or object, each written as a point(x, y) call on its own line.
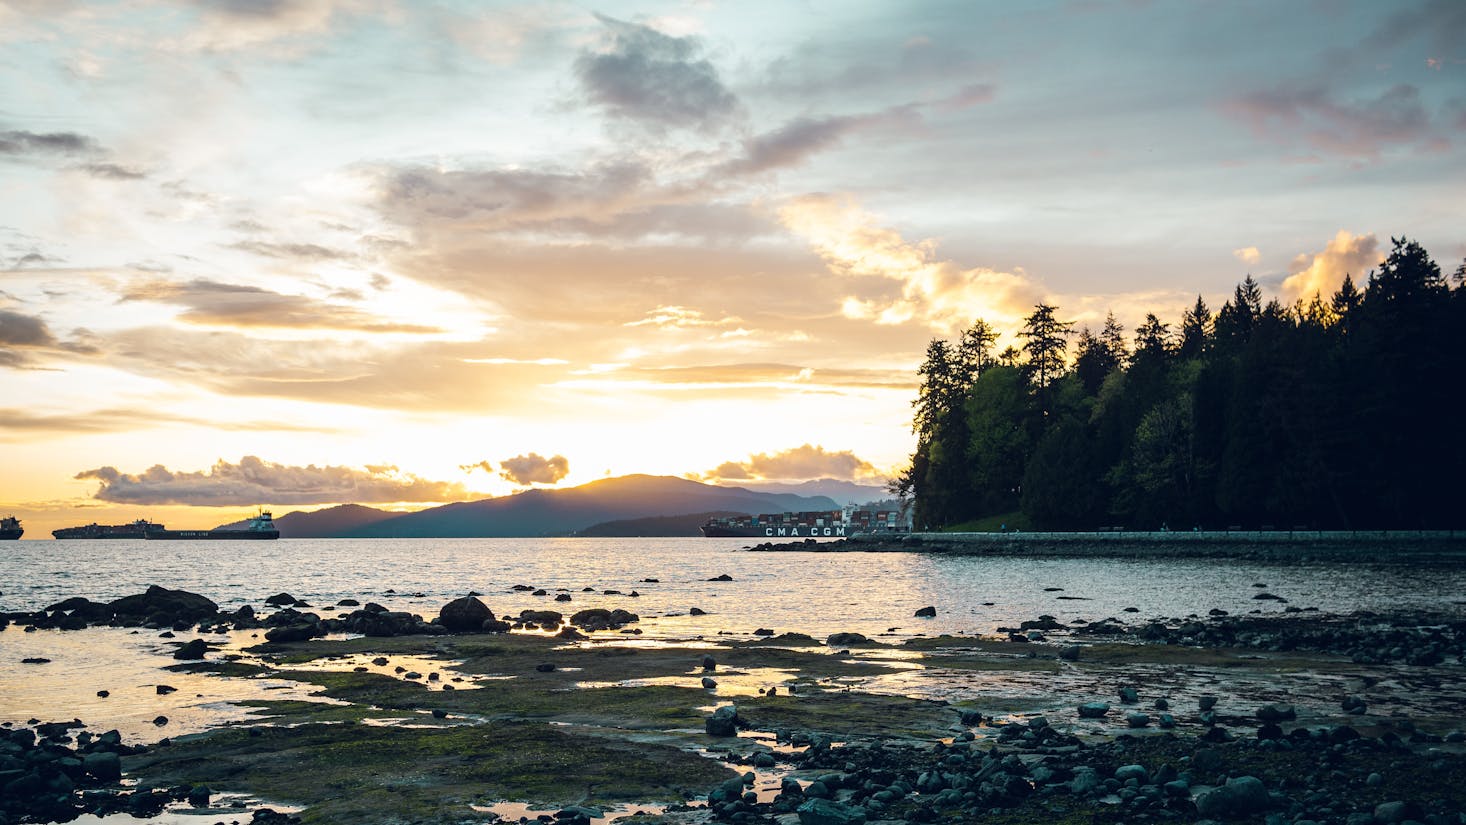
point(634, 505)
point(1339, 413)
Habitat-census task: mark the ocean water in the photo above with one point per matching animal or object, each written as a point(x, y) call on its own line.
point(808, 592)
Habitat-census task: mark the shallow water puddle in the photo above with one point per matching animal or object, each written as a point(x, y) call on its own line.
point(751, 681)
point(430, 672)
point(129, 667)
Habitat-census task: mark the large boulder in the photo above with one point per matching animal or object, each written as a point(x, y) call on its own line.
point(163, 606)
point(846, 639)
point(1241, 796)
point(464, 615)
point(723, 722)
point(829, 812)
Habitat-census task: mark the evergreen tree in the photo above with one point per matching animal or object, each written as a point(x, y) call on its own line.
point(1195, 330)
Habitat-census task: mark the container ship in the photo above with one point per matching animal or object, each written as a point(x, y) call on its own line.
point(10, 528)
point(261, 526)
point(816, 524)
point(136, 530)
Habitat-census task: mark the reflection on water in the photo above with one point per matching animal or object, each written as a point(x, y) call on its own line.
point(128, 665)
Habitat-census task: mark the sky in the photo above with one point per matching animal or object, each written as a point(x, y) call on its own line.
point(293, 253)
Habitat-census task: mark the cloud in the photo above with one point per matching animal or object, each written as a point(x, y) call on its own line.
point(969, 96)
point(802, 137)
point(220, 304)
point(14, 420)
point(21, 336)
point(486, 466)
point(50, 143)
point(253, 481)
point(655, 79)
point(1248, 255)
point(505, 199)
point(934, 292)
point(236, 25)
point(534, 469)
point(1360, 129)
point(291, 251)
point(112, 171)
point(1322, 273)
point(802, 463)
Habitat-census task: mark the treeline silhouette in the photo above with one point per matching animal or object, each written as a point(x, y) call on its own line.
point(1342, 412)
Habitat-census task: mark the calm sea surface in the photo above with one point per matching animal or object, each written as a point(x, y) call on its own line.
point(814, 593)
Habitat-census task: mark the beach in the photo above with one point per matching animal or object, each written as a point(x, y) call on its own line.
point(615, 700)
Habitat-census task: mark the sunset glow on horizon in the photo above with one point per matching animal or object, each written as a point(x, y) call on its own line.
point(308, 252)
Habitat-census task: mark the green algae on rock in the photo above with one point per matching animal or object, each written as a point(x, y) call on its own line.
point(353, 772)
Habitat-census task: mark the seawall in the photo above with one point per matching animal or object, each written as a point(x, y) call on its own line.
point(1388, 546)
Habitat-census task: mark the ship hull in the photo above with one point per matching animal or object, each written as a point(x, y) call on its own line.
point(774, 531)
point(213, 535)
point(11, 535)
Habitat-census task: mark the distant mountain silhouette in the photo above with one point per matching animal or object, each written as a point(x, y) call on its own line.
point(332, 521)
point(842, 492)
point(566, 512)
point(655, 526)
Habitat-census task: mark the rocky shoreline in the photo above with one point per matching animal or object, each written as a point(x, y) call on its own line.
point(1152, 720)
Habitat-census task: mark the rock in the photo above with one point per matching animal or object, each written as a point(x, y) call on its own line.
point(162, 606)
point(496, 626)
point(829, 812)
point(709, 664)
point(723, 578)
point(1137, 719)
point(1354, 705)
point(192, 650)
point(927, 612)
point(1161, 704)
point(1206, 702)
point(281, 600)
point(1093, 710)
point(198, 796)
point(103, 765)
point(562, 597)
point(1374, 780)
point(1268, 597)
point(709, 683)
point(545, 667)
point(1397, 811)
point(763, 631)
point(1136, 772)
point(1069, 653)
point(1276, 713)
point(846, 639)
point(1085, 781)
point(1241, 796)
point(295, 632)
point(697, 611)
point(164, 690)
point(723, 722)
point(160, 720)
point(103, 694)
point(1129, 695)
point(464, 615)
point(1166, 721)
point(547, 618)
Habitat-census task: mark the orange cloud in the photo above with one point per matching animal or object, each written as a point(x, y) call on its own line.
point(1248, 255)
point(1323, 272)
point(934, 292)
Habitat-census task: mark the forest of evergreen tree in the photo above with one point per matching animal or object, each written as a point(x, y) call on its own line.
point(1340, 412)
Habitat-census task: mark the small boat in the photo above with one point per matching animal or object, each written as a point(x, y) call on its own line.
point(10, 528)
point(260, 527)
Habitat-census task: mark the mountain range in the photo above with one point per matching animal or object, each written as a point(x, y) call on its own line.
point(541, 512)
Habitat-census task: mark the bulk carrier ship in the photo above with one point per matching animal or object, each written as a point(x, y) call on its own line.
point(807, 525)
point(10, 528)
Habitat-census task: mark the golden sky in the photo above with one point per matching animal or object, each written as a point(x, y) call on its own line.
point(301, 252)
